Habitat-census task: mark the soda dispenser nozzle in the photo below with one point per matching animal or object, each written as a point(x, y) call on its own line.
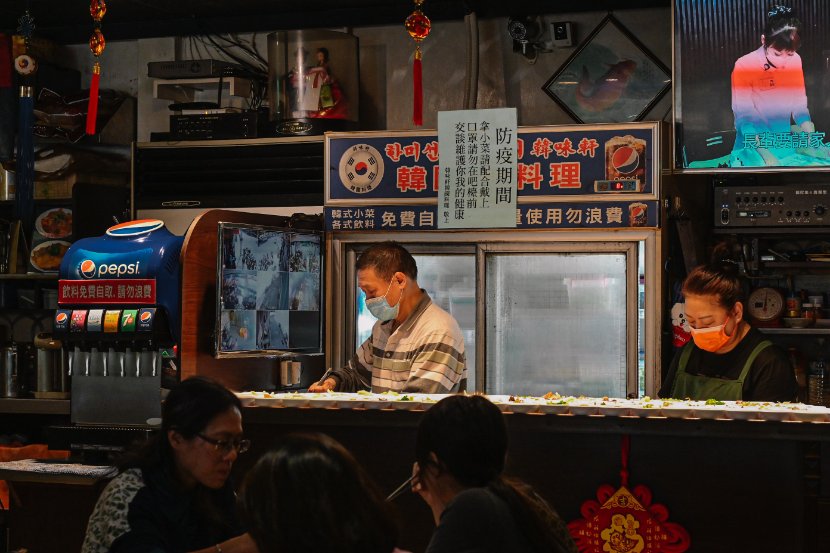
point(105, 359)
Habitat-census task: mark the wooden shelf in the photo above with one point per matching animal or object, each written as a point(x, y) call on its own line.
point(29, 406)
point(29, 276)
point(796, 331)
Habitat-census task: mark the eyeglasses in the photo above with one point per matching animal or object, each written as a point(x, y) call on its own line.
point(226, 446)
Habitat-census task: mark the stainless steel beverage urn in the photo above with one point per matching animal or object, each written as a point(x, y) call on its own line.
point(8, 368)
point(52, 377)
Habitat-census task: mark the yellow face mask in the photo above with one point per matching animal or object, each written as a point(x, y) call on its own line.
point(712, 338)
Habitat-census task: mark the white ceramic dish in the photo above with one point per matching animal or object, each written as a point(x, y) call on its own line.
point(44, 218)
point(52, 262)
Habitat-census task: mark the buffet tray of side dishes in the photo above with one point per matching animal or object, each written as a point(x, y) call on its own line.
point(554, 404)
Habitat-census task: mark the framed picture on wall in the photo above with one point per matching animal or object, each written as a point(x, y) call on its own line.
point(611, 78)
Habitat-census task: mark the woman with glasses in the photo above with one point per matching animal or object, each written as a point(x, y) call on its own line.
point(310, 496)
point(460, 449)
point(173, 494)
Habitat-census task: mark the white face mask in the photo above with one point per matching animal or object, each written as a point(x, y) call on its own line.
point(381, 309)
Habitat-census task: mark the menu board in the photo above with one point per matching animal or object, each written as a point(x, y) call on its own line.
point(269, 291)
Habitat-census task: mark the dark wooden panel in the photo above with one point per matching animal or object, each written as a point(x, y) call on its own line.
point(718, 487)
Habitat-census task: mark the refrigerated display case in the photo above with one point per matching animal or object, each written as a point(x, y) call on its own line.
point(568, 302)
point(575, 313)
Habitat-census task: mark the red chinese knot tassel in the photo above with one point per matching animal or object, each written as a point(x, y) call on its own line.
point(418, 26)
point(97, 43)
point(417, 90)
point(92, 109)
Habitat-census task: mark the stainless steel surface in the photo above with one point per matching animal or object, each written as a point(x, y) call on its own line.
point(52, 375)
point(8, 367)
point(34, 406)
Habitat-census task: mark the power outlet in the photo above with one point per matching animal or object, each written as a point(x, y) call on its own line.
point(562, 34)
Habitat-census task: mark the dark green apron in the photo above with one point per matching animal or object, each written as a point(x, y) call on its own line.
point(708, 387)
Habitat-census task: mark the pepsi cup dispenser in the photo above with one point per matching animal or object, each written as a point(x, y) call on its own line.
point(119, 311)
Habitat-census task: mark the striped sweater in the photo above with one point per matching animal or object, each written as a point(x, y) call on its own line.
point(425, 354)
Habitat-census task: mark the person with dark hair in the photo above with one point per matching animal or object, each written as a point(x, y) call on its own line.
point(310, 495)
point(727, 359)
point(173, 494)
point(460, 452)
point(768, 95)
point(415, 345)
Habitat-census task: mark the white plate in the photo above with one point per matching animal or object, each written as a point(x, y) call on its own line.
point(553, 407)
point(52, 262)
point(47, 217)
point(703, 411)
point(584, 407)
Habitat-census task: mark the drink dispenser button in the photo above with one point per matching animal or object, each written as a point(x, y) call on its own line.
point(145, 320)
point(111, 319)
point(128, 318)
point(62, 317)
point(78, 322)
point(95, 320)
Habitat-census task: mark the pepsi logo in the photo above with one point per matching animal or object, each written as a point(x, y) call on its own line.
point(135, 228)
point(61, 318)
point(146, 316)
point(625, 159)
point(87, 268)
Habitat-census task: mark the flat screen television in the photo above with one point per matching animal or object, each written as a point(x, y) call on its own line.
point(269, 291)
point(745, 103)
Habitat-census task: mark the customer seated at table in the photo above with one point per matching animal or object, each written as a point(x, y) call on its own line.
point(461, 447)
point(173, 495)
point(310, 496)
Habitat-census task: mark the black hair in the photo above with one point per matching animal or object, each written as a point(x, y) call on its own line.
point(387, 258)
point(783, 29)
point(721, 279)
point(325, 52)
point(468, 436)
point(310, 495)
point(188, 409)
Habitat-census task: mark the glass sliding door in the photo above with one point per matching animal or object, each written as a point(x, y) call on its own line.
point(576, 313)
point(558, 320)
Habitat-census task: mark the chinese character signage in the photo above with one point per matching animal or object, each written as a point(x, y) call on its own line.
point(477, 169)
point(107, 291)
point(598, 161)
point(550, 215)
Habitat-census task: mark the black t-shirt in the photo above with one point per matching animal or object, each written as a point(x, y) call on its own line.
point(477, 520)
point(771, 377)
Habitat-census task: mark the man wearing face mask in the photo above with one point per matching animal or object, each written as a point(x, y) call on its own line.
point(727, 359)
point(415, 345)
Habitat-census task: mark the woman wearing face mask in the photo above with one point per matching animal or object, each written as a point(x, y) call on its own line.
point(768, 95)
point(727, 359)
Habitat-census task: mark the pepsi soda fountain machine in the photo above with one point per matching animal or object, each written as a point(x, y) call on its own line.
point(119, 312)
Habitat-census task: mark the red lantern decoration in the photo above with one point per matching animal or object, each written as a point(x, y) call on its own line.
point(418, 27)
point(97, 43)
point(622, 521)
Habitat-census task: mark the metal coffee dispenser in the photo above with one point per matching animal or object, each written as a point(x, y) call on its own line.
point(118, 320)
point(52, 372)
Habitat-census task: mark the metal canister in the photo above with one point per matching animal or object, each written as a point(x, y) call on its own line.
point(8, 368)
point(7, 183)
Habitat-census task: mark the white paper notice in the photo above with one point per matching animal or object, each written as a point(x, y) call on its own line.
point(478, 168)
